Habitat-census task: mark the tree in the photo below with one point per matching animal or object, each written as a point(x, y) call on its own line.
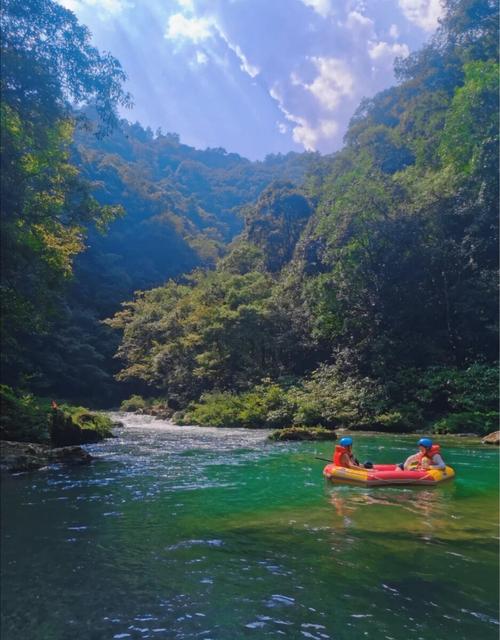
point(220, 331)
point(47, 61)
point(275, 222)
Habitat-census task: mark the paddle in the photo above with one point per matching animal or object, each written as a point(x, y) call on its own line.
point(365, 465)
point(329, 460)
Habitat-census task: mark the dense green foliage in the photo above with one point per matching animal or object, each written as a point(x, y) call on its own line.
point(444, 399)
point(379, 275)
point(134, 403)
point(64, 172)
point(70, 425)
point(46, 208)
point(23, 416)
point(356, 290)
point(26, 418)
point(265, 405)
point(218, 330)
point(182, 208)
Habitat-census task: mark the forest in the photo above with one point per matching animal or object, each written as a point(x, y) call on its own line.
point(358, 289)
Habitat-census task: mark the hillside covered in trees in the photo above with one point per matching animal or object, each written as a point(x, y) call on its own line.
point(95, 208)
point(358, 289)
point(369, 296)
point(180, 208)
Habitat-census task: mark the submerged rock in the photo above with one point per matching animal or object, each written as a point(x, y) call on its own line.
point(303, 433)
point(492, 438)
point(27, 456)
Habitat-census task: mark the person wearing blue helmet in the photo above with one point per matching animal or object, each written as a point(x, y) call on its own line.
point(428, 456)
point(343, 456)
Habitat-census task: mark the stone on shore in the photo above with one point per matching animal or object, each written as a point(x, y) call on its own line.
point(492, 438)
point(28, 456)
point(303, 433)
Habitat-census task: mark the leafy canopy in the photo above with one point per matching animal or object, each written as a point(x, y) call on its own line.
point(46, 61)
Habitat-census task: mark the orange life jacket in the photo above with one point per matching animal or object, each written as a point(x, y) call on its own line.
point(338, 453)
point(430, 453)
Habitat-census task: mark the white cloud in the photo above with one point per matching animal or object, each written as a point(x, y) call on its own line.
point(72, 5)
point(323, 7)
point(310, 136)
point(245, 65)
point(195, 29)
point(304, 132)
point(276, 95)
point(387, 52)
point(424, 13)
point(305, 135)
point(394, 31)
point(358, 22)
point(333, 82)
point(104, 9)
point(201, 58)
point(328, 128)
point(187, 5)
point(324, 57)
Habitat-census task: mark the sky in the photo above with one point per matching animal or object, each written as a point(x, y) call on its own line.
point(256, 76)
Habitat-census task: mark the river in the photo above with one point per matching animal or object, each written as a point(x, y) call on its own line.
point(188, 532)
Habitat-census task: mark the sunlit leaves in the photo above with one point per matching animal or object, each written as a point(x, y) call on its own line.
point(472, 121)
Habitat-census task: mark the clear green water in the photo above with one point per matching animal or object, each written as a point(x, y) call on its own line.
point(202, 533)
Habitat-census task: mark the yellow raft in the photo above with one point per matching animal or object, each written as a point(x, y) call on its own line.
point(382, 474)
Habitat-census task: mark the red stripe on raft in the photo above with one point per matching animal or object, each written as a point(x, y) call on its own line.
point(398, 474)
point(381, 474)
point(387, 472)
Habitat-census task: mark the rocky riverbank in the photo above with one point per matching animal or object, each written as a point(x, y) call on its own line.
point(492, 438)
point(302, 433)
point(27, 456)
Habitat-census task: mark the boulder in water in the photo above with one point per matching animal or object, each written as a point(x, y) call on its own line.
point(492, 438)
point(28, 456)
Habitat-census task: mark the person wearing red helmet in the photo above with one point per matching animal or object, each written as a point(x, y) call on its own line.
point(428, 456)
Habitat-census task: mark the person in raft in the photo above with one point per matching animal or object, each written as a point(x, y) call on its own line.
point(343, 456)
point(428, 457)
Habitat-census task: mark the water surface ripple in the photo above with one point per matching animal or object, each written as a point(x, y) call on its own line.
point(185, 532)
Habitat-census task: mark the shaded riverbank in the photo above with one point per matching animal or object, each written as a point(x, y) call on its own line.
point(16, 457)
point(187, 532)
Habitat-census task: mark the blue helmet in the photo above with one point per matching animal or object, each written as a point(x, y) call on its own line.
point(345, 442)
point(425, 442)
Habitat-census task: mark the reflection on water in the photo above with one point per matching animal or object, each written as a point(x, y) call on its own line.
point(182, 532)
point(423, 503)
point(424, 513)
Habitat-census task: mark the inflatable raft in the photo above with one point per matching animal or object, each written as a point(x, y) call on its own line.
point(386, 474)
